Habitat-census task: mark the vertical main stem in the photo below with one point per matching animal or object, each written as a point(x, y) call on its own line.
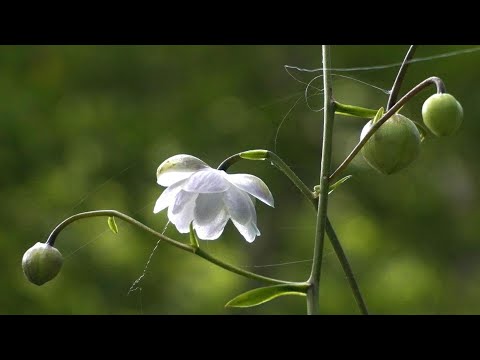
point(313, 303)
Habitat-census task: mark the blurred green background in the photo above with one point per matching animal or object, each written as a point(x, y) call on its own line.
point(85, 127)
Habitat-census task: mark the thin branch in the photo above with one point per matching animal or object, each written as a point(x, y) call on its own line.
point(191, 249)
point(400, 76)
point(421, 86)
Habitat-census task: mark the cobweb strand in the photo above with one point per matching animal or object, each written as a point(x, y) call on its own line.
point(387, 66)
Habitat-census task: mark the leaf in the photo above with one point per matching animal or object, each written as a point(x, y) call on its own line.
point(193, 237)
point(355, 111)
point(379, 115)
point(316, 188)
point(338, 183)
point(264, 294)
point(112, 224)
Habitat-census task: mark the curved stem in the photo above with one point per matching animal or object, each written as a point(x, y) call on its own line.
point(53, 236)
point(399, 79)
point(304, 189)
point(203, 254)
point(313, 303)
point(275, 161)
point(225, 164)
point(421, 86)
point(337, 246)
point(192, 249)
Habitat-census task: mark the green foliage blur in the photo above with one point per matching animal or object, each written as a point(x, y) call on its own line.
point(85, 128)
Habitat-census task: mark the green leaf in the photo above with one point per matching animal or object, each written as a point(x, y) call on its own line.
point(262, 295)
point(112, 224)
point(355, 111)
point(254, 154)
point(193, 237)
point(316, 188)
point(338, 183)
point(379, 115)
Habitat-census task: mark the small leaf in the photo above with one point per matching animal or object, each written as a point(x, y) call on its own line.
point(355, 111)
point(338, 183)
point(112, 224)
point(262, 295)
point(316, 188)
point(379, 115)
point(193, 237)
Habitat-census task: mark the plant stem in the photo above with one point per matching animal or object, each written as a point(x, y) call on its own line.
point(421, 86)
point(313, 303)
point(346, 268)
point(277, 162)
point(337, 246)
point(192, 249)
point(400, 76)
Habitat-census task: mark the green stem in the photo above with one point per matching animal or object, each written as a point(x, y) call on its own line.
point(313, 303)
point(337, 246)
point(283, 167)
point(276, 161)
point(203, 254)
point(421, 86)
point(397, 84)
point(191, 249)
point(292, 176)
point(346, 268)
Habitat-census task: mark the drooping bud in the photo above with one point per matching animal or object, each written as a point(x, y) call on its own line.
point(442, 114)
point(41, 263)
point(393, 146)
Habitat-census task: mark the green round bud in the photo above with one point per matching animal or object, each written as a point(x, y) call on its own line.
point(442, 114)
point(41, 263)
point(393, 146)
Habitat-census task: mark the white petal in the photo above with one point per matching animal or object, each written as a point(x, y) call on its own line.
point(180, 213)
point(178, 167)
point(168, 196)
point(207, 207)
point(249, 231)
point(214, 229)
point(207, 181)
point(253, 185)
point(239, 205)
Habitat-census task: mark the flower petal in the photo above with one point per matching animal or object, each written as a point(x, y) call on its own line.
point(180, 213)
point(178, 167)
point(239, 205)
point(252, 185)
point(168, 196)
point(207, 181)
point(249, 231)
point(213, 229)
point(207, 207)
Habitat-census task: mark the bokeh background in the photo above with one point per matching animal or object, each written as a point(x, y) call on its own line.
point(85, 127)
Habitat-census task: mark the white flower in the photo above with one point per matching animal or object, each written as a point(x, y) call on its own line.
point(209, 197)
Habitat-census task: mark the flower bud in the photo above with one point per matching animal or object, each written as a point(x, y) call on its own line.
point(442, 114)
point(393, 146)
point(41, 263)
